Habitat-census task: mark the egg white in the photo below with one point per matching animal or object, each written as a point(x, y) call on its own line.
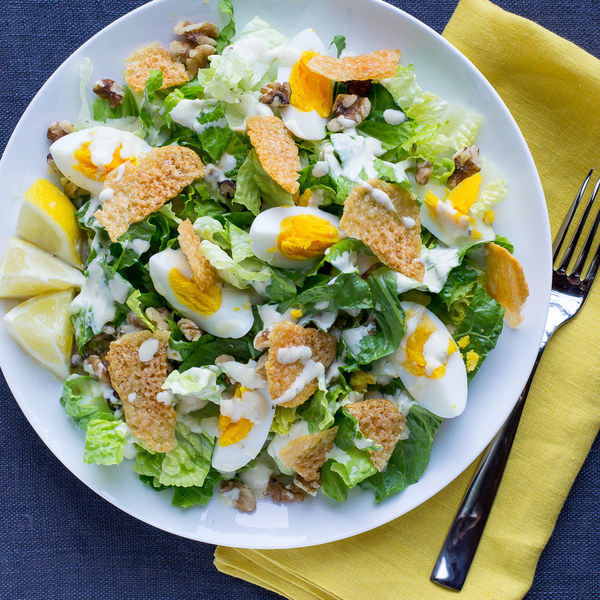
point(228, 459)
point(104, 141)
point(442, 222)
point(307, 125)
point(233, 318)
point(446, 396)
point(265, 229)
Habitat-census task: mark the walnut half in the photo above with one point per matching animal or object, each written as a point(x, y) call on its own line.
point(276, 94)
point(466, 163)
point(58, 129)
point(241, 496)
point(110, 90)
point(350, 110)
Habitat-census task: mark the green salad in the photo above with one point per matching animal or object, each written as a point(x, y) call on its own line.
point(290, 265)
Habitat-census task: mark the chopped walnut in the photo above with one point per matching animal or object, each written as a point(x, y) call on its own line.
point(57, 130)
point(198, 59)
point(260, 369)
point(349, 111)
point(227, 188)
point(157, 318)
point(190, 330)
point(276, 94)
point(243, 500)
point(424, 172)
point(261, 340)
point(359, 88)
point(98, 365)
point(191, 31)
point(110, 90)
point(310, 487)
point(466, 163)
point(199, 44)
point(284, 493)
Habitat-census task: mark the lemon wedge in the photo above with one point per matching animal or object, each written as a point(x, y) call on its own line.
point(47, 218)
point(26, 270)
point(42, 328)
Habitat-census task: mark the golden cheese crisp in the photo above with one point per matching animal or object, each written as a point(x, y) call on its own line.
point(307, 453)
point(204, 273)
point(380, 64)
point(137, 366)
point(281, 376)
point(393, 236)
point(505, 282)
point(379, 420)
point(276, 149)
point(138, 192)
point(154, 56)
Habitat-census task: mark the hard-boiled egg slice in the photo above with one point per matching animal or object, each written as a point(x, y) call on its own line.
point(312, 94)
point(447, 214)
point(221, 310)
point(428, 363)
point(244, 423)
point(293, 237)
point(86, 157)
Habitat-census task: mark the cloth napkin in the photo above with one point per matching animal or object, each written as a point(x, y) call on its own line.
point(552, 88)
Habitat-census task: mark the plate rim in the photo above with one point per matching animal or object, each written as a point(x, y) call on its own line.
point(357, 529)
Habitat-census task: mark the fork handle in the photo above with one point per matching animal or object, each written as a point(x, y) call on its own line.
point(456, 555)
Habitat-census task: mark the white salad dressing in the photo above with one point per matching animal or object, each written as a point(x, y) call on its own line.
point(252, 405)
point(244, 374)
point(311, 370)
point(353, 336)
point(148, 349)
point(393, 117)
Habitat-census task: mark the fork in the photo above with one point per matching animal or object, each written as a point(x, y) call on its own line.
point(569, 292)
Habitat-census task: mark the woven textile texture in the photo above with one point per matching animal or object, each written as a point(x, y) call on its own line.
point(58, 538)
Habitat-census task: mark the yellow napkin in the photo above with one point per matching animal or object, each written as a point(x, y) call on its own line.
point(552, 88)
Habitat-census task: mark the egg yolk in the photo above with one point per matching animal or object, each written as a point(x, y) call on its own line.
point(463, 196)
point(415, 361)
point(305, 236)
point(310, 91)
point(233, 432)
point(85, 165)
point(203, 302)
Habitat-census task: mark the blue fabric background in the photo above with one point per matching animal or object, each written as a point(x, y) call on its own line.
point(58, 540)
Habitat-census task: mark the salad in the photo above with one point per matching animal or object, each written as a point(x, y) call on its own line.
point(271, 269)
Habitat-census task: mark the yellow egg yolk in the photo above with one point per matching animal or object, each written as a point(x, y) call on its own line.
point(233, 432)
point(85, 165)
point(305, 236)
point(415, 361)
point(463, 196)
point(310, 91)
point(430, 201)
point(203, 302)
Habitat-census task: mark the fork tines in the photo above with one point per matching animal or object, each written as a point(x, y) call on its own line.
point(585, 251)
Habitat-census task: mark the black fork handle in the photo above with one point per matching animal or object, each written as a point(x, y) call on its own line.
point(458, 551)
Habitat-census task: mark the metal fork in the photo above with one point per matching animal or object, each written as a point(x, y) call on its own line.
point(569, 291)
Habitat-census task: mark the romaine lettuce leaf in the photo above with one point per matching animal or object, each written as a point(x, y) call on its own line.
point(200, 382)
point(320, 411)
point(285, 417)
point(410, 457)
point(105, 442)
point(254, 187)
point(227, 32)
point(189, 462)
point(483, 323)
point(83, 400)
point(184, 497)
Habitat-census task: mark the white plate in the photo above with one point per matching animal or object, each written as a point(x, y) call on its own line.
point(368, 25)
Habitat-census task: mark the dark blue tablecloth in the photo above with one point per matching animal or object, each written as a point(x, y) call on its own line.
point(58, 540)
